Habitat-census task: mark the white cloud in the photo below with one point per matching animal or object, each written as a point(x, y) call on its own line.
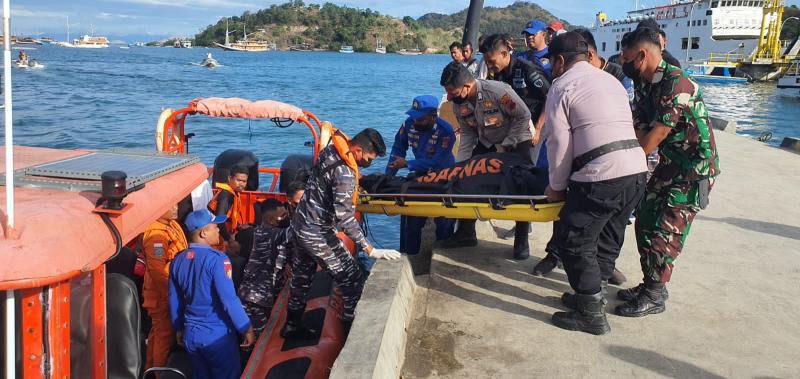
point(104, 15)
point(23, 12)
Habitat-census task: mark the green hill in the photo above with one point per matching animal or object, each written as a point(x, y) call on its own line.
point(330, 26)
point(508, 19)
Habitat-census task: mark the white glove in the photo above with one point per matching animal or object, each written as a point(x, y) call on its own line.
point(387, 254)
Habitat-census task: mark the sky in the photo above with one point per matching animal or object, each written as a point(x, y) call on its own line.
point(162, 18)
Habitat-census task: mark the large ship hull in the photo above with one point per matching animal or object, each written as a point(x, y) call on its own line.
point(694, 30)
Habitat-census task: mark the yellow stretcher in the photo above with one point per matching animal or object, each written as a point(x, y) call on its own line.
point(536, 210)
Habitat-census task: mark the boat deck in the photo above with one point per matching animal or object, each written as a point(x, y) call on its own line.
point(731, 313)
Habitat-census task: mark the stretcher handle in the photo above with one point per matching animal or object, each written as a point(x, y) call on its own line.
point(452, 196)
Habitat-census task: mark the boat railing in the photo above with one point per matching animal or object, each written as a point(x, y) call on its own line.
point(725, 57)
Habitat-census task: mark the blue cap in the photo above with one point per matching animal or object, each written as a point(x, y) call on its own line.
point(200, 218)
point(423, 106)
point(534, 26)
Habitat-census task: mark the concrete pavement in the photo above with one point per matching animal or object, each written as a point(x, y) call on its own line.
point(732, 312)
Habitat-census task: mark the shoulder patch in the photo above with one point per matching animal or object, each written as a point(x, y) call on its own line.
point(228, 268)
point(508, 103)
point(544, 61)
point(445, 142)
point(158, 250)
point(190, 255)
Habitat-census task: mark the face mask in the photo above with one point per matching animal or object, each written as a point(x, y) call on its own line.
point(630, 70)
point(459, 100)
point(364, 163)
point(284, 223)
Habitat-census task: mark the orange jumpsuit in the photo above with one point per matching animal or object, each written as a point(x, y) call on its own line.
point(161, 243)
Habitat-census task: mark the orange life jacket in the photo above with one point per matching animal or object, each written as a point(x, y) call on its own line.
point(161, 243)
point(234, 214)
point(341, 143)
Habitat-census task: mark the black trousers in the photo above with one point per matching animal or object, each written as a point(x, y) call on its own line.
point(591, 229)
point(523, 149)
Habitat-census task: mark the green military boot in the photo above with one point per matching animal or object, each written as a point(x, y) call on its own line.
point(570, 300)
point(589, 316)
point(650, 299)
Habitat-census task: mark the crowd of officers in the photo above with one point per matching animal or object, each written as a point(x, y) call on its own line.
point(624, 136)
point(590, 121)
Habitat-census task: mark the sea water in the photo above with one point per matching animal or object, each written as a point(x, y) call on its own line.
point(111, 98)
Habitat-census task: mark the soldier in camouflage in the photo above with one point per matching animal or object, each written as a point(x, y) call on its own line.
point(669, 114)
point(263, 275)
point(329, 203)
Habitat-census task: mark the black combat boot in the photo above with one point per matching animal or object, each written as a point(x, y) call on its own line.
point(589, 317)
point(546, 265)
point(570, 300)
point(463, 237)
point(649, 300)
point(629, 294)
point(617, 278)
point(521, 247)
point(294, 328)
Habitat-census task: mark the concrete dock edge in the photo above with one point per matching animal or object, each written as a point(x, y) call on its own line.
point(376, 345)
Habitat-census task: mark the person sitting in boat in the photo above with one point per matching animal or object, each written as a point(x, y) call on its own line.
point(161, 242)
point(263, 275)
point(209, 60)
point(206, 313)
point(228, 203)
point(23, 57)
point(430, 139)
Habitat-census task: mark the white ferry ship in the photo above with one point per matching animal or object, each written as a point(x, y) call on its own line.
point(694, 29)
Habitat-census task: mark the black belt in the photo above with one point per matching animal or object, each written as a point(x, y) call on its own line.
point(584, 159)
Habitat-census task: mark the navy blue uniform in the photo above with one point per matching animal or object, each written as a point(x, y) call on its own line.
point(433, 151)
point(203, 304)
point(539, 57)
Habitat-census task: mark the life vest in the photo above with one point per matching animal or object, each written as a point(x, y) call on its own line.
point(340, 142)
point(234, 214)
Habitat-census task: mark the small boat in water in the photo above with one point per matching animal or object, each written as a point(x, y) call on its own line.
point(209, 62)
point(303, 47)
point(409, 52)
point(379, 47)
point(28, 64)
point(346, 49)
point(715, 74)
point(789, 83)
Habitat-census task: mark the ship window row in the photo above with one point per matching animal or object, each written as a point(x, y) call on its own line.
point(739, 22)
point(697, 22)
point(695, 43)
point(620, 30)
point(737, 3)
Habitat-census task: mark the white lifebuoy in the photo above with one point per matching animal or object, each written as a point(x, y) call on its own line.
point(160, 126)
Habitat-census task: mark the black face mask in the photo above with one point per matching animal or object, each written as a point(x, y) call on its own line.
point(423, 127)
point(365, 163)
point(458, 100)
point(630, 70)
point(284, 223)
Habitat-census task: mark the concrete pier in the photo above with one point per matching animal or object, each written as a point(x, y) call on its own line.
point(732, 311)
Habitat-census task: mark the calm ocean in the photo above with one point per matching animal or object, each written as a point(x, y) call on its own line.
point(111, 98)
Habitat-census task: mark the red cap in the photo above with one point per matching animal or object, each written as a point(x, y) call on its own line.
point(556, 26)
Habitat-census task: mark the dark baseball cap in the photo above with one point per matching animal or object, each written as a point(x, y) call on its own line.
point(567, 44)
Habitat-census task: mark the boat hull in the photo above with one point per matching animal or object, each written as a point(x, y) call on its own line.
point(247, 50)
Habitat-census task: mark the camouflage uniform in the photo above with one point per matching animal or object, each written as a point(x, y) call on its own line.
point(326, 205)
point(688, 164)
point(263, 275)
